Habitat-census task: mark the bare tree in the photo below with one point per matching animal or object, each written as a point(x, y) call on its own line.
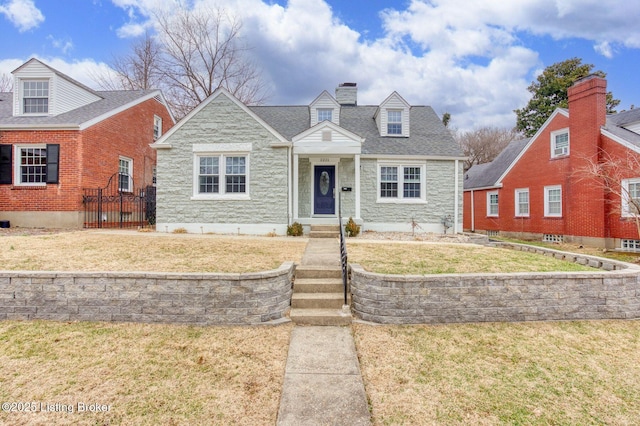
point(202, 51)
point(138, 70)
point(194, 52)
point(612, 174)
point(484, 144)
point(6, 83)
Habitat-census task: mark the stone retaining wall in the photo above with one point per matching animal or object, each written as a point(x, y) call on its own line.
point(185, 298)
point(613, 293)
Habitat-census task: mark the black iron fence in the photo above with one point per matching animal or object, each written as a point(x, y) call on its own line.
point(118, 205)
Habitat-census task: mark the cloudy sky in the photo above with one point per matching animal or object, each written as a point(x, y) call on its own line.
point(473, 59)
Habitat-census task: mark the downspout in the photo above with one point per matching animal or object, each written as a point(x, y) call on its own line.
point(289, 186)
point(473, 213)
point(456, 205)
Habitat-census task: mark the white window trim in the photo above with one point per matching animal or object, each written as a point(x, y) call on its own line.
point(401, 122)
point(130, 161)
point(329, 110)
point(400, 198)
point(17, 175)
point(489, 194)
point(517, 202)
point(21, 82)
point(157, 124)
point(546, 201)
point(553, 142)
point(625, 210)
point(222, 195)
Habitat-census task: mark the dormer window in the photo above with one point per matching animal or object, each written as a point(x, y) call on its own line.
point(394, 122)
point(324, 114)
point(35, 95)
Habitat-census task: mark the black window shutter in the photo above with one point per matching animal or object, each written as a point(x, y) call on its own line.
point(53, 161)
point(5, 164)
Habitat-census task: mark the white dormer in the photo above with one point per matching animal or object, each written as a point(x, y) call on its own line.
point(392, 116)
point(41, 90)
point(634, 127)
point(324, 108)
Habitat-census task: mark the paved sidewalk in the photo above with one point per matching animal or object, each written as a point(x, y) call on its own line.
point(322, 252)
point(322, 381)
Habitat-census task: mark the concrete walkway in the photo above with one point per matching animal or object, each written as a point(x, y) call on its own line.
point(322, 381)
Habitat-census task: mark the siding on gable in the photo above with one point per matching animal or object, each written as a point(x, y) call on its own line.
point(67, 96)
point(325, 102)
point(222, 121)
point(393, 103)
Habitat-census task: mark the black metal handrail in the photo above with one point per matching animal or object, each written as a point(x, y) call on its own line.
point(343, 249)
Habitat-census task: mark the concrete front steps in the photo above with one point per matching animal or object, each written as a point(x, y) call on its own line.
point(318, 297)
point(324, 231)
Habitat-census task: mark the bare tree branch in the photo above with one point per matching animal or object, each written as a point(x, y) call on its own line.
point(6, 83)
point(484, 144)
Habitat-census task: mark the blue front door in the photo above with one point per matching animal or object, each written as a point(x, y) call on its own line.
point(324, 201)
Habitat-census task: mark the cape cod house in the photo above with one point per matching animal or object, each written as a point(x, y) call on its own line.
point(58, 136)
point(540, 188)
point(231, 168)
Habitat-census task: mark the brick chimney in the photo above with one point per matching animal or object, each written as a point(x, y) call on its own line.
point(347, 94)
point(585, 213)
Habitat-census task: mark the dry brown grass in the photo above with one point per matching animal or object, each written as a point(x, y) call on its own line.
point(430, 258)
point(147, 374)
point(136, 251)
point(488, 374)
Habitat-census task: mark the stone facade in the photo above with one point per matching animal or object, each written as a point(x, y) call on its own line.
point(222, 122)
point(199, 299)
point(613, 293)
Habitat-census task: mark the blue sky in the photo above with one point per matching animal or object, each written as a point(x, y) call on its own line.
point(471, 59)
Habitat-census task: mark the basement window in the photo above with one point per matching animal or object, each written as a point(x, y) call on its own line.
point(552, 238)
point(630, 245)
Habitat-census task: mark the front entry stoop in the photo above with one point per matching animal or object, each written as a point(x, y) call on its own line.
point(324, 231)
point(318, 297)
point(318, 294)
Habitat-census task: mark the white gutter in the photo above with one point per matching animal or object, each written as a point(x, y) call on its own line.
point(456, 209)
point(289, 186)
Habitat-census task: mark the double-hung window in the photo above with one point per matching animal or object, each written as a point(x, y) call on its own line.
point(35, 164)
point(553, 201)
point(394, 122)
point(631, 197)
point(401, 183)
point(157, 127)
point(35, 97)
point(324, 114)
point(492, 203)
point(560, 143)
point(224, 176)
point(125, 173)
point(522, 202)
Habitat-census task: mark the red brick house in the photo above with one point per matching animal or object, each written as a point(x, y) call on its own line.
point(58, 136)
point(539, 187)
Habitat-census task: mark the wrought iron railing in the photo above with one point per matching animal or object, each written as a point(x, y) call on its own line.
point(343, 250)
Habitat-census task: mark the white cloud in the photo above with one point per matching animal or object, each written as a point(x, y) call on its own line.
point(63, 44)
point(465, 58)
point(22, 13)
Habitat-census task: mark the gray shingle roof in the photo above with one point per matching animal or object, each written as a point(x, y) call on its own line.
point(487, 174)
point(110, 101)
point(428, 136)
point(615, 123)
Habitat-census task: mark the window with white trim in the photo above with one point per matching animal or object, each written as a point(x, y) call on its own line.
point(630, 245)
point(560, 143)
point(522, 202)
point(553, 201)
point(631, 197)
point(35, 164)
point(492, 203)
point(125, 173)
point(324, 114)
point(222, 176)
point(157, 127)
point(35, 97)
point(394, 122)
point(401, 182)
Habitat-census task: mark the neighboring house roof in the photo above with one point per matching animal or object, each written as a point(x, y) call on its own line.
point(428, 136)
point(616, 123)
point(487, 175)
point(111, 103)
